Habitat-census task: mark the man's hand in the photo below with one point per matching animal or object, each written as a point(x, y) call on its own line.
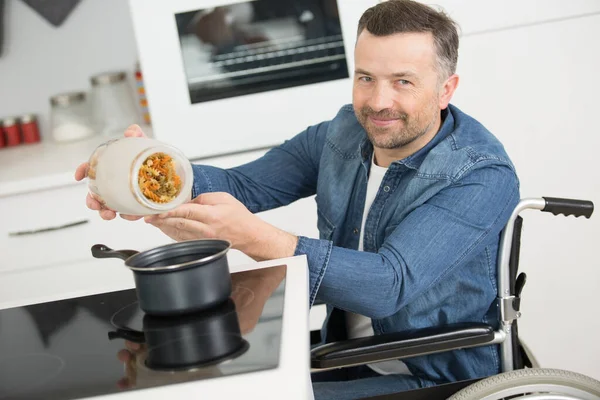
point(220, 215)
point(90, 201)
point(138, 375)
point(128, 357)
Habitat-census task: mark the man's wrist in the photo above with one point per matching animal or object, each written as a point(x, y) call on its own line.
point(273, 243)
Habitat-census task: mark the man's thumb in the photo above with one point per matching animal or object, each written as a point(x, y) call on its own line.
point(134, 131)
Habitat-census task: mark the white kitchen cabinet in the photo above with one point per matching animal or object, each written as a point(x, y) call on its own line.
point(475, 17)
point(24, 246)
point(43, 210)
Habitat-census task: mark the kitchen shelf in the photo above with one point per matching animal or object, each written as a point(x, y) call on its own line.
point(45, 165)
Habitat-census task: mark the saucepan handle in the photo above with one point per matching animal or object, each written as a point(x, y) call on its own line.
point(131, 335)
point(102, 251)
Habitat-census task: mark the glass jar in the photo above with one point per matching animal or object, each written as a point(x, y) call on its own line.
point(70, 117)
point(113, 104)
point(139, 176)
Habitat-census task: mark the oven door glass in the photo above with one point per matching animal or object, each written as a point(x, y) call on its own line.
point(260, 45)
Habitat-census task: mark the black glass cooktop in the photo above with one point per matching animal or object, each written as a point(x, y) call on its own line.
point(103, 344)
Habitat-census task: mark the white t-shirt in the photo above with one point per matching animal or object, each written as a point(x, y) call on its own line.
point(358, 325)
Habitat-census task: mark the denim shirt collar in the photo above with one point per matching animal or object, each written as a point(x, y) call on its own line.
point(414, 160)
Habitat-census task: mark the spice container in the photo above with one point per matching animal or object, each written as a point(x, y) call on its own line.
point(29, 128)
point(112, 103)
point(12, 133)
point(70, 117)
point(2, 139)
point(139, 176)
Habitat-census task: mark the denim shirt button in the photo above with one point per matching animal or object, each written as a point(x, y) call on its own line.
point(386, 188)
point(355, 230)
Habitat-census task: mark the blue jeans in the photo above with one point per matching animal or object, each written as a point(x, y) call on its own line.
point(359, 382)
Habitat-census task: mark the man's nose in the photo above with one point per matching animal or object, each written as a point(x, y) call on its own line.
point(381, 98)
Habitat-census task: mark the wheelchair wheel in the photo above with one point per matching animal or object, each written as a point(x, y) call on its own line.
point(530, 384)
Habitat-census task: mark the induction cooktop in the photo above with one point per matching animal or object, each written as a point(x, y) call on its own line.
point(104, 344)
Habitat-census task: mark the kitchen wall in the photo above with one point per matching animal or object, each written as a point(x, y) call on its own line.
point(40, 60)
point(532, 82)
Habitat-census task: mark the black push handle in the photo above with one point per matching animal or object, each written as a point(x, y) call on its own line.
point(568, 207)
point(102, 251)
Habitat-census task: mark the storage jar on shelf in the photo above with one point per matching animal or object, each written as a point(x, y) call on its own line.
point(112, 103)
point(70, 117)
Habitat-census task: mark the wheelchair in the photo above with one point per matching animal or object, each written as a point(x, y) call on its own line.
point(520, 375)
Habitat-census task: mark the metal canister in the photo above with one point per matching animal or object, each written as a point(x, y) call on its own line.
point(29, 128)
point(12, 133)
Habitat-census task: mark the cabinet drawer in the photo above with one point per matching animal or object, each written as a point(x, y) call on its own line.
point(54, 227)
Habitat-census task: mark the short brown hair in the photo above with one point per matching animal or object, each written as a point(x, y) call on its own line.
point(407, 16)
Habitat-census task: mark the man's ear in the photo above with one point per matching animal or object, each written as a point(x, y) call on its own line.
point(447, 91)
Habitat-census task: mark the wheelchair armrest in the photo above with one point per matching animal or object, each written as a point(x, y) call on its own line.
point(397, 345)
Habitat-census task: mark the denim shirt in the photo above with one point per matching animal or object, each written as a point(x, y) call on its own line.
point(431, 236)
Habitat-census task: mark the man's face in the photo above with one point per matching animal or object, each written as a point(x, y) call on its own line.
point(396, 88)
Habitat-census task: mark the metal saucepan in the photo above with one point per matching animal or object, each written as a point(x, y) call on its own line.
point(177, 278)
point(189, 341)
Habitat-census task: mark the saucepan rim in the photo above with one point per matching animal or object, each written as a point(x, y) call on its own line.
point(186, 243)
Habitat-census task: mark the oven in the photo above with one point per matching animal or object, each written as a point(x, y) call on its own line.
point(252, 47)
point(223, 77)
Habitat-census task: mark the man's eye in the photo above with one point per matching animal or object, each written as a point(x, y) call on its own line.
point(403, 82)
point(365, 78)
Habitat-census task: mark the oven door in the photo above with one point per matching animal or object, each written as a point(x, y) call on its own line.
point(261, 45)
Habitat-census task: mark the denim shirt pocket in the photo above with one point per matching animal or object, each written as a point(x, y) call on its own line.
point(326, 228)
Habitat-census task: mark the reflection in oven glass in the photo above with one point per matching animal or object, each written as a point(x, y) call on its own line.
point(261, 45)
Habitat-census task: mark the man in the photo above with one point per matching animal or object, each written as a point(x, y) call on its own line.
point(411, 193)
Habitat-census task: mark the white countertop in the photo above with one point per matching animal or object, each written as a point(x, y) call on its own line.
point(291, 380)
point(43, 165)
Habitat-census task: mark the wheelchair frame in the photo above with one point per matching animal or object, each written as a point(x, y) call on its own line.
point(399, 345)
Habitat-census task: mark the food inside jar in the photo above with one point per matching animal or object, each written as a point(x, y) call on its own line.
point(158, 178)
point(93, 163)
point(91, 172)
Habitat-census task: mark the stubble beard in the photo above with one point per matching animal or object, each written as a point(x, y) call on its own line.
point(393, 138)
